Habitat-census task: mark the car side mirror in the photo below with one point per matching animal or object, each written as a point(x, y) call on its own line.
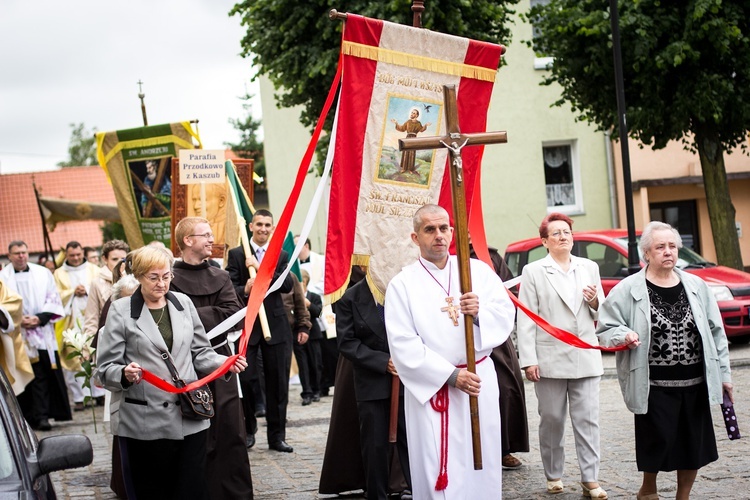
point(623, 272)
point(61, 452)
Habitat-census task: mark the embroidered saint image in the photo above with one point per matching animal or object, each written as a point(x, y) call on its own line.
point(407, 118)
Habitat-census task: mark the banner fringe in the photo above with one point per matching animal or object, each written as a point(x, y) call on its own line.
point(417, 62)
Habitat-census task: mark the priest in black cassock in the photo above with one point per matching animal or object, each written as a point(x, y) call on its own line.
point(210, 288)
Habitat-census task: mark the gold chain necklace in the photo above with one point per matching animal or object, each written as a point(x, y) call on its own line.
point(163, 309)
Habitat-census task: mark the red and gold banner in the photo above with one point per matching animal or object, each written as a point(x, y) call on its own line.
point(392, 87)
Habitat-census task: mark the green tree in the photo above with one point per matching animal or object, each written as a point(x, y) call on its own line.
point(686, 67)
point(249, 146)
point(296, 45)
point(112, 231)
point(82, 147)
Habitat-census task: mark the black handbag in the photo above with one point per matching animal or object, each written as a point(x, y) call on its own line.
point(197, 404)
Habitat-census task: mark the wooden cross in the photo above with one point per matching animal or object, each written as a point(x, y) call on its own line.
point(454, 141)
point(451, 309)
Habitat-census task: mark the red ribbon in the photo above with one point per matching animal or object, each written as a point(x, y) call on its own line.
point(559, 333)
point(268, 266)
point(479, 242)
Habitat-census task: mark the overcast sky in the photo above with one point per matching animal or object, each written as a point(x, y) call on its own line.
point(74, 61)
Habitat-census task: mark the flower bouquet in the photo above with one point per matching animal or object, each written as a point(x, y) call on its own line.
point(79, 347)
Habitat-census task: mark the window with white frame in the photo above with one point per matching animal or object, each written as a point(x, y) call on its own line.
point(562, 177)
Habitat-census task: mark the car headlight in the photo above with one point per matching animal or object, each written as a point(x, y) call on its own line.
point(721, 292)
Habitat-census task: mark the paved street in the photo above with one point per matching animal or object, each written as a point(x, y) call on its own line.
point(295, 476)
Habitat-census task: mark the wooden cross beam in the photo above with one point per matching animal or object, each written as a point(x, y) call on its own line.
point(161, 173)
point(454, 141)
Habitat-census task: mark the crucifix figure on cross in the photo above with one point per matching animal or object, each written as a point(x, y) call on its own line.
point(455, 141)
point(455, 150)
point(452, 310)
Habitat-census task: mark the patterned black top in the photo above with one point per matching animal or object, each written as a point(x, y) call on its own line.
point(675, 355)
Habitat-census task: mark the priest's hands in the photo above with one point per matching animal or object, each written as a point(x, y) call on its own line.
point(468, 382)
point(80, 291)
point(29, 321)
point(391, 368)
point(469, 303)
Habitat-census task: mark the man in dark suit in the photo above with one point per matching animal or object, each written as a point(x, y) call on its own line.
point(362, 340)
point(313, 353)
point(273, 350)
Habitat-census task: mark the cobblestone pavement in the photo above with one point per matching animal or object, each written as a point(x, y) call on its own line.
point(294, 476)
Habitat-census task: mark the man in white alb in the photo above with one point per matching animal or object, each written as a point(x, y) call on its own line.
point(423, 317)
point(73, 280)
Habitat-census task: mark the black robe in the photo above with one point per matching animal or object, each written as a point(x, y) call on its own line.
point(514, 426)
point(343, 469)
point(227, 463)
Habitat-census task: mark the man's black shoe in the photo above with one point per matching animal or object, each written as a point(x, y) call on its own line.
point(281, 446)
point(250, 441)
point(306, 401)
point(260, 411)
point(43, 425)
point(316, 397)
point(99, 401)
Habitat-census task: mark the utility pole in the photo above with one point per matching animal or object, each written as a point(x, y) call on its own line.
point(633, 259)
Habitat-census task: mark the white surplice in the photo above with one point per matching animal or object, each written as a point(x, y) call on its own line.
point(426, 347)
point(37, 288)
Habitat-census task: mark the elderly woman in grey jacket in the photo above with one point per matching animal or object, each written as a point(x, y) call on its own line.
point(678, 361)
point(166, 452)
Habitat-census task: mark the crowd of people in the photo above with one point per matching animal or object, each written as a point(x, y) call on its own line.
point(398, 370)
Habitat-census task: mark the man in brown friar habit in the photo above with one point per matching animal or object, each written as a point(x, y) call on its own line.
point(211, 290)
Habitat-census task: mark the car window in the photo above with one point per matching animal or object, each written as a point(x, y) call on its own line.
point(512, 260)
point(610, 261)
point(685, 258)
point(515, 260)
point(7, 462)
point(537, 253)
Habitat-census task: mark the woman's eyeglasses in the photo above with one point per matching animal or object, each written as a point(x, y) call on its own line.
point(565, 232)
point(155, 278)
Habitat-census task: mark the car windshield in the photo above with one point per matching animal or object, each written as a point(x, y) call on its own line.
point(686, 258)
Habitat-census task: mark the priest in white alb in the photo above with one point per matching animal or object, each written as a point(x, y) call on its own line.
point(424, 311)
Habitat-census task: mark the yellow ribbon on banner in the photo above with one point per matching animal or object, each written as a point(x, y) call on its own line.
point(139, 143)
point(417, 62)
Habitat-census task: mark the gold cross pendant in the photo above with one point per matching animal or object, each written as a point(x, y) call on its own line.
point(451, 309)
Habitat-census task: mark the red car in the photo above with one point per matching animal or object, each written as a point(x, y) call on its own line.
point(609, 249)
